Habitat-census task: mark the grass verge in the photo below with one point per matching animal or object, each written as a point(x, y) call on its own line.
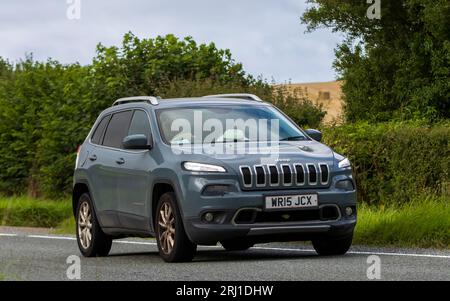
point(423, 224)
point(25, 212)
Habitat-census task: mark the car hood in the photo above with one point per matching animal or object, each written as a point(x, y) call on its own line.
point(245, 153)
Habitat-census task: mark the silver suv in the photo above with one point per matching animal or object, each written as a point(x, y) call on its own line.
point(154, 168)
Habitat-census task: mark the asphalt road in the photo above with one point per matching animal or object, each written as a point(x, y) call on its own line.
point(35, 256)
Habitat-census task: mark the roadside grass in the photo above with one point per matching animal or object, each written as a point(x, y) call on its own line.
point(25, 212)
point(67, 226)
point(424, 223)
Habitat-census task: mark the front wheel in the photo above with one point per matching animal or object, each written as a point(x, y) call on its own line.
point(333, 246)
point(90, 237)
point(173, 243)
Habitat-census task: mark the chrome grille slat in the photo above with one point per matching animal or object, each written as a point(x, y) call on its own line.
point(312, 174)
point(260, 175)
point(246, 173)
point(324, 173)
point(301, 175)
point(287, 174)
point(273, 173)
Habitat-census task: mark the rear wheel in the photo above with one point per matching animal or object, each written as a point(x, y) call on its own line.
point(236, 245)
point(173, 243)
point(333, 246)
point(90, 237)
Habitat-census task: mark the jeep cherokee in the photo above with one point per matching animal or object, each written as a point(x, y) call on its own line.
point(138, 175)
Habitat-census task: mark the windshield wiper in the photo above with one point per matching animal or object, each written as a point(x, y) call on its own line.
point(293, 138)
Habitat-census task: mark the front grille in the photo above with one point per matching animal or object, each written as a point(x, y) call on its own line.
point(291, 216)
point(285, 175)
point(257, 216)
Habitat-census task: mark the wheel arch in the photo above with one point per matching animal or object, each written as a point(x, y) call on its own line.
point(78, 190)
point(158, 189)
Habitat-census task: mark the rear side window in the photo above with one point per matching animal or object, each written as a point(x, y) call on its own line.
point(117, 129)
point(98, 133)
point(139, 124)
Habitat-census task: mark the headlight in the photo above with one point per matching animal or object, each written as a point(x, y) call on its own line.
point(344, 163)
point(194, 166)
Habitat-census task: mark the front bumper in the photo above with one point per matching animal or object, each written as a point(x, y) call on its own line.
point(225, 228)
point(208, 234)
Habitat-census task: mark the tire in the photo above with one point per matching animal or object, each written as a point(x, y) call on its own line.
point(333, 246)
point(236, 245)
point(173, 242)
point(87, 226)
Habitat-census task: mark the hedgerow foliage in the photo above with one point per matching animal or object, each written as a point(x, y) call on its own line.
point(47, 108)
point(395, 163)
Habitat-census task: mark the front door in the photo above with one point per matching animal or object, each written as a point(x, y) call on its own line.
point(134, 178)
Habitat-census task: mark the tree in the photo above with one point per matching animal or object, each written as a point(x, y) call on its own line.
point(47, 108)
point(394, 67)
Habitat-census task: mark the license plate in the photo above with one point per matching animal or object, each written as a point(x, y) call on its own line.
point(291, 201)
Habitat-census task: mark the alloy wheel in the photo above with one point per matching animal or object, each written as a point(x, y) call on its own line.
point(166, 222)
point(85, 225)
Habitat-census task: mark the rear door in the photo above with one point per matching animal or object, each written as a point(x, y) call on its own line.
point(110, 158)
point(102, 196)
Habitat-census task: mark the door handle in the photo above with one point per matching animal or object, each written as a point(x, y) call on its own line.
point(93, 158)
point(120, 161)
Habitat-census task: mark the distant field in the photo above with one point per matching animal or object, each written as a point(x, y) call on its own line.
point(329, 94)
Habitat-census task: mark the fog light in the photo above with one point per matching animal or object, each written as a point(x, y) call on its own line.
point(216, 190)
point(345, 185)
point(209, 217)
point(349, 211)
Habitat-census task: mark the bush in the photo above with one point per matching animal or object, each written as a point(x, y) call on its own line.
point(47, 109)
point(298, 107)
point(395, 162)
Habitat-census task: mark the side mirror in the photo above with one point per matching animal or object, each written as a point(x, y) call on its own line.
point(314, 134)
point(136, 142)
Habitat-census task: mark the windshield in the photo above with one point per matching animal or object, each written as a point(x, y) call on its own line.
point(223, 123)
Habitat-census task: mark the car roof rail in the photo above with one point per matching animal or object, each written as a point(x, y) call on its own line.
point(236, 95)
point(150, 99)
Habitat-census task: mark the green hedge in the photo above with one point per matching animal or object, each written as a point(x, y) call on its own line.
point(47, 108)
point(395, 163)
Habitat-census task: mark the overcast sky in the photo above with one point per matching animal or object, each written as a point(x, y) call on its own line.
point(265, 35)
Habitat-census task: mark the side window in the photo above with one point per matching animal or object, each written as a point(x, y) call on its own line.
point(98, 133)
point(139, 124)
point(117, 129)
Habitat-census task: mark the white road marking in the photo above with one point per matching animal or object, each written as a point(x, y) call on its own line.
point(255, 248)
point(360, 252)
point(51, 237)
point(8, 234)
point(400, 254)
point(135, 242)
